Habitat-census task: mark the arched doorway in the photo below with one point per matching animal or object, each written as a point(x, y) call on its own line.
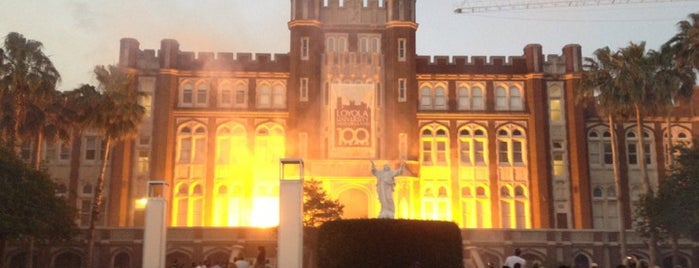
point(681, 261)
point(178, 256)
point(122, 260)
point(356, 204)
point(67, 259)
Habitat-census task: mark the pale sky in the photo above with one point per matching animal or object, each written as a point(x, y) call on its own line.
point(79, 34)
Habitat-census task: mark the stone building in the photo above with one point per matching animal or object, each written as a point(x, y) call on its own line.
point(490, 142)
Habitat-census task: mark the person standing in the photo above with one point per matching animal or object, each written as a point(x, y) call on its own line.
point(261, 257)
point(511, 260)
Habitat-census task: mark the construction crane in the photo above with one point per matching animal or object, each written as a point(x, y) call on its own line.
point(482, 6)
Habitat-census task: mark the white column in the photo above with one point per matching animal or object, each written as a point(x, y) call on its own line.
point(290, 239)
point(155, 231)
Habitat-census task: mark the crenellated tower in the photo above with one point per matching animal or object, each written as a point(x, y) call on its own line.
point(347, 54)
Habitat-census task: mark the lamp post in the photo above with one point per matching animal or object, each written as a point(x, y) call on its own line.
point(155, 232)
point(290, 239)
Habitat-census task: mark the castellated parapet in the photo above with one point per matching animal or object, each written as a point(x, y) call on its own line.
point(169, 56)
point(532, 61)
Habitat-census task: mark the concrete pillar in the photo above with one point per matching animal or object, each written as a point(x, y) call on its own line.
point(290, 240)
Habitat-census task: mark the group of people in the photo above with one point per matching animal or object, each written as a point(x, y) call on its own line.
point(239, 261)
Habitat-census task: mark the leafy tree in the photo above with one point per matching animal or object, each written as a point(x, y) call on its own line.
point(673, 213)
point(27, 90)
point(317, 206)
point(116, 114)
point(29, 207)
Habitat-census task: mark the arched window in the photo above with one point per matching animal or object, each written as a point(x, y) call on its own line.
point(435, 145)
point(187, 94)
point(632, 150)
point(269, 144)
point(189, 174)
point(433, 96)
point(264, 96)
point(509, 97)
point(191, 143)
point(599, 146)
point(470, 96)
point(232, 93)
point(511, 144)
point(514, 207)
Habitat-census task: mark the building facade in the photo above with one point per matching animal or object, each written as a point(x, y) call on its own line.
point(489, 142)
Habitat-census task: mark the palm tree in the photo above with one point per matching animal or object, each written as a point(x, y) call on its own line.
point(28, 82)
point(116, 115)
point(599, 86)
point(635, 78)
point(671, 81)
point(26, 76)
point(686, 42)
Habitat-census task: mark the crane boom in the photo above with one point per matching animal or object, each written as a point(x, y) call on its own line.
point(507, 5)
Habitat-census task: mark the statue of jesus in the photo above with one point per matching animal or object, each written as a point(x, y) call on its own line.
point(384, 187)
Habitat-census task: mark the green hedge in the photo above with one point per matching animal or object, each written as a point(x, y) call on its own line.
point(386, 243)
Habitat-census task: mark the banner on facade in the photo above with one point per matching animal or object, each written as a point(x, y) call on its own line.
point(352, 109)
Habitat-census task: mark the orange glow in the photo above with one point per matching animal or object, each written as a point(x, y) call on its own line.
point(141, 203)
point(265, 212)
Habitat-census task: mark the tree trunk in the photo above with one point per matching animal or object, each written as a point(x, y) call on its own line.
point(75, 145)
point(3, 250)
point(647, 187)
point(617, 186)
point(97, 200)
point(30, 253)
point(670, 156)
point(675, 250)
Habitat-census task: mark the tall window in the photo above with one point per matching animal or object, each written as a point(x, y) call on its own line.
point(472, 144)
point(194, 95)
point(557, 154)
point(190, 174)
point(555, 104)
point(231, 147)
point(303, 89)
point(146, 101)
point(188, 205)
point(93, 148)
point(433, 96)
point(679, 136)
point(508, 97)
point(599, 146)
point(476, 206)
point(402, 90)
point(202, 94)
point(401, 49)
point(269, 144)
point(436, 203)
point(191, 143)
point(470, 96)
point(304, 48)
point(225, 95)
point(435, 146)
point(511, 144)
point(632, 150)
point(514, 206)
point(604, 213)
point(271, 94)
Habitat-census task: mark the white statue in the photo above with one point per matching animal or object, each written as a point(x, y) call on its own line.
point(384, 187)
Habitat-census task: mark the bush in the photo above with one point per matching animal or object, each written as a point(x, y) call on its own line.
point(386, 243)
